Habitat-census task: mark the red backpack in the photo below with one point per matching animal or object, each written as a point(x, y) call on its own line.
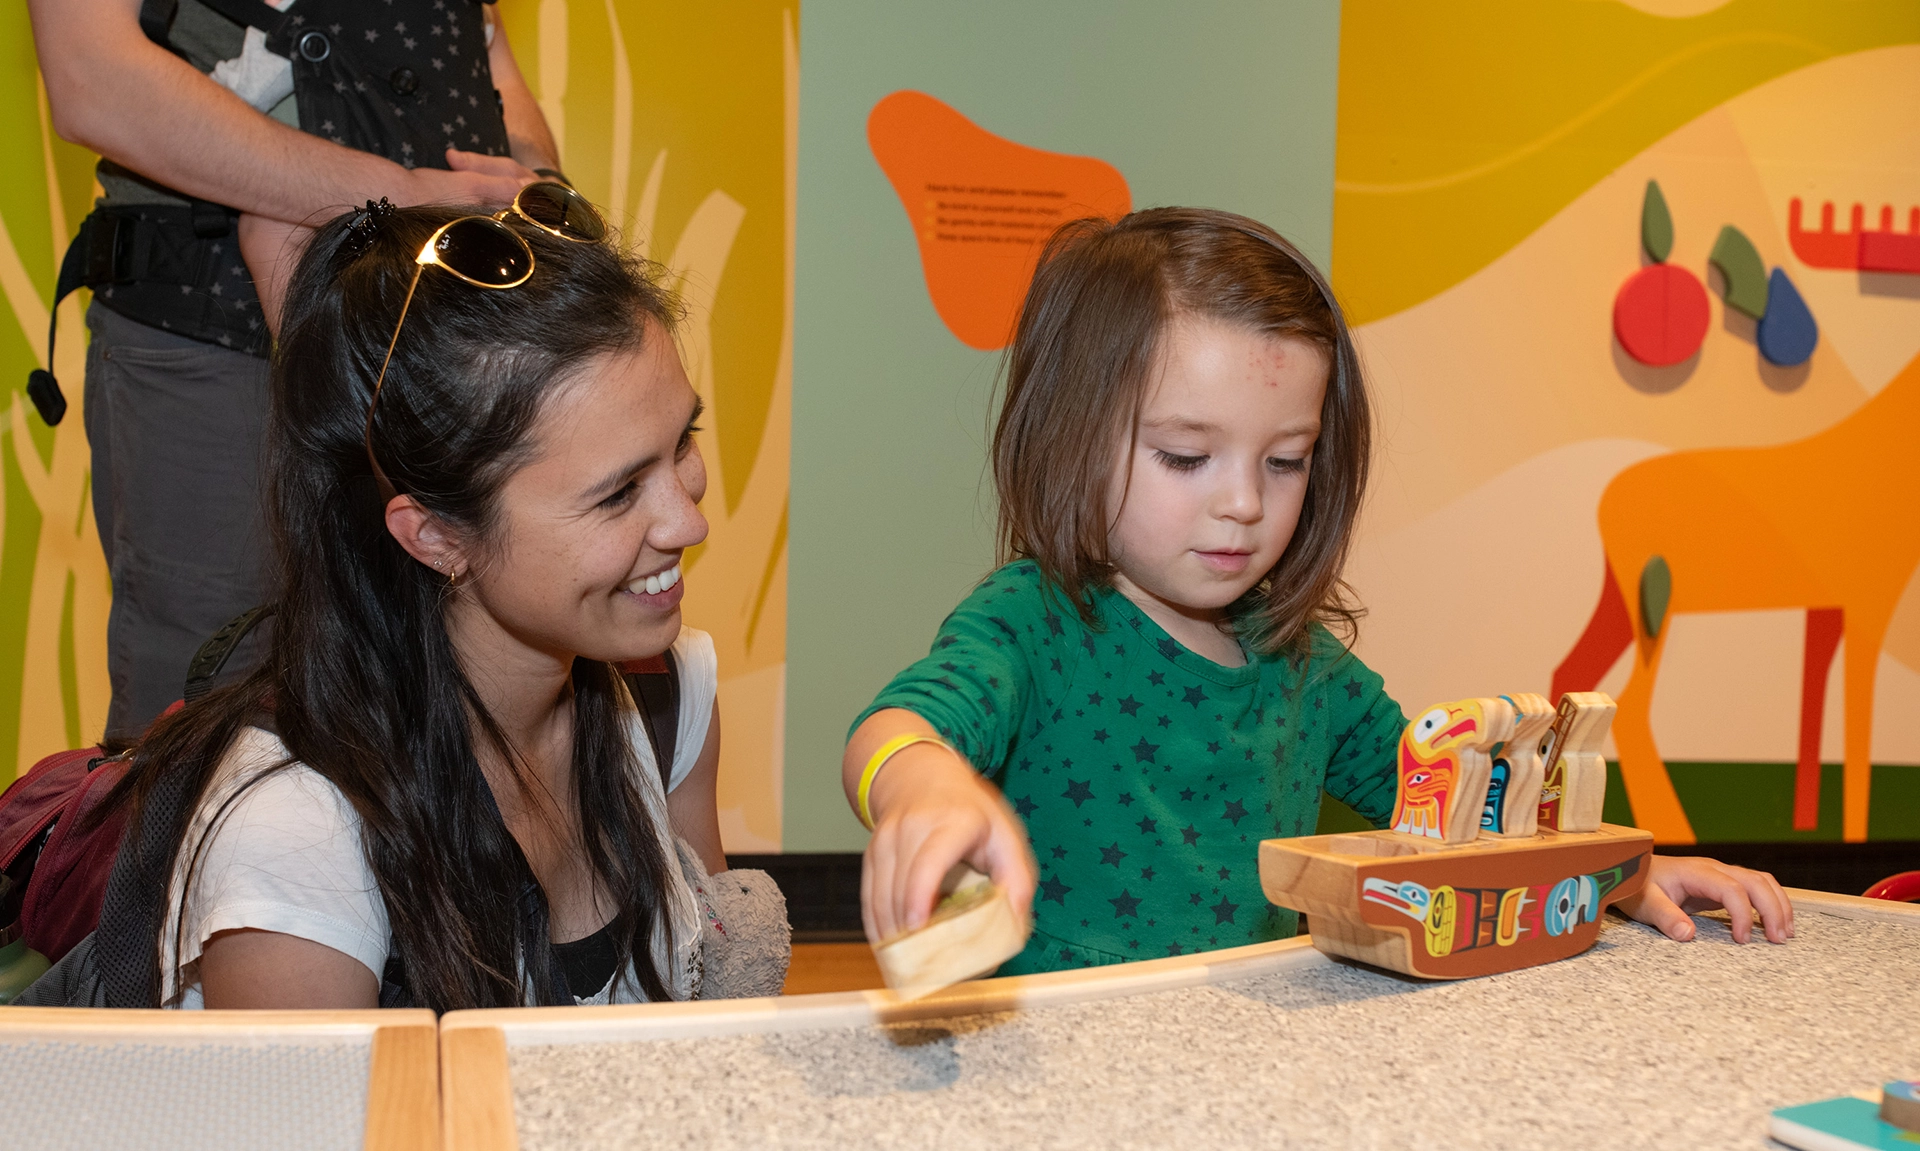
point(52, 875)
point(53, 864)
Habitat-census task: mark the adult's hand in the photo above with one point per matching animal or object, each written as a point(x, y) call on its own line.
point(470, 178)
point(272, 247)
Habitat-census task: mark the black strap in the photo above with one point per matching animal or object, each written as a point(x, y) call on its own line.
point(658, 694)
point(42, 388)
point(154, 242)
point(213, 654)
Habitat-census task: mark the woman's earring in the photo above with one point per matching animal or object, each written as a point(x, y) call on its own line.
point(439, 564)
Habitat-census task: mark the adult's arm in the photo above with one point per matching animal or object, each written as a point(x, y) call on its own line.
point(528, 137)
point(693, 807)
point(111, 89)
point(255, 970)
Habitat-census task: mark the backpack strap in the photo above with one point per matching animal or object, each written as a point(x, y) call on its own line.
point(213, 654)
point(655, 684)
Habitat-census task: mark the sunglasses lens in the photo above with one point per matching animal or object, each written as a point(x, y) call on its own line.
point(560, 209)
point(485, 252)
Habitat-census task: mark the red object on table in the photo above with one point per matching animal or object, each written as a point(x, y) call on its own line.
point(1901, 888)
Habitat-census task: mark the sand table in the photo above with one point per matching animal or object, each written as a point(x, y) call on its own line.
point(184, 1095)
point(1639, 1042)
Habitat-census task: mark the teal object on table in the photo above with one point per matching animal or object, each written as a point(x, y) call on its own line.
point(1842, 1124)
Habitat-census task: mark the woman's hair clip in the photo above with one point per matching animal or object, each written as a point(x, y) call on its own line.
point(365, 226)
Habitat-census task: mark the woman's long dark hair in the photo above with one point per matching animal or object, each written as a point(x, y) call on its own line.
point(361, 678)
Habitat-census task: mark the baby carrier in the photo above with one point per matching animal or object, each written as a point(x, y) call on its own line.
point(402, 79)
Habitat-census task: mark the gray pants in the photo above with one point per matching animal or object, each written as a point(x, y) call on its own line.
point(175, 427)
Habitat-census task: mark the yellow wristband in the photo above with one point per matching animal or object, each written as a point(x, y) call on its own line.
point(888, 750)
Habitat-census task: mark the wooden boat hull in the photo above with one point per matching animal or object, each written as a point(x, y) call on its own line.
point(1455, 912)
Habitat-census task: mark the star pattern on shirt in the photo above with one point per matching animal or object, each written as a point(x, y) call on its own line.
point(1068, 694)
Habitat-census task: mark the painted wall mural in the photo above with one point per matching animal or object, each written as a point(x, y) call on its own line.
point(683, 125)
point(1617, 293)
point(937, 140)
point(1648, 270)
point(54, 590)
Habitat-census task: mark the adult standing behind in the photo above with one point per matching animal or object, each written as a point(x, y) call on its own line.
point(226, 124)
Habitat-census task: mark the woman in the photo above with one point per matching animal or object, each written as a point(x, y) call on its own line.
point(437, 790)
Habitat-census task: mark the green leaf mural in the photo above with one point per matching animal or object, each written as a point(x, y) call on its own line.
point(1739, 262)
point(1656, 224)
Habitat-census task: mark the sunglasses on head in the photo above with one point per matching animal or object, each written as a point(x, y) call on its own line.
point(485, 252)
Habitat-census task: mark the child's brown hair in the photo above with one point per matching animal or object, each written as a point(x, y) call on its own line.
point(1077, 375)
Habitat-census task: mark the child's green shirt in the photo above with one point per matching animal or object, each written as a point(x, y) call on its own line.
point(1147, 775)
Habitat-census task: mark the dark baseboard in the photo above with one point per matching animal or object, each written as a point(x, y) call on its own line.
point(1848, 868)
point(823, 890)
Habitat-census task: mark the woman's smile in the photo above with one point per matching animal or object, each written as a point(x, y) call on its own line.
point(660, 590)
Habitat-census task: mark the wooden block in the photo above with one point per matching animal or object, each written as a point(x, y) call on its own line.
point(1575, 789)
point(1445, 765)
point(971, 932)
point(1513, 794)
point(1900, 1104)
point(1440, 912)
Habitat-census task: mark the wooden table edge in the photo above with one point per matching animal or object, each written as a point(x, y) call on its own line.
point(403, 1087)
point(547, 1025)
point(1855, 907)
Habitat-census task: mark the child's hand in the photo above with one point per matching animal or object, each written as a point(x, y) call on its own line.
point(1678, 884)
point(931, 810)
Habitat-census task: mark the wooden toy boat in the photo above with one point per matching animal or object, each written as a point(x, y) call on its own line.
point(1439, 911)
point(1497, 858)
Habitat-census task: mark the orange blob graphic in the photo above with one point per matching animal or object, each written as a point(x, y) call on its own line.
point(982, 207)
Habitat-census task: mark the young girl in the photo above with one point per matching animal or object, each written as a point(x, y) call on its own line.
point(1157, 682)
point(437, 790)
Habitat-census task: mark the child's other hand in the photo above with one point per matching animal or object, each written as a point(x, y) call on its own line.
point(1678, 884)
point(932, 810)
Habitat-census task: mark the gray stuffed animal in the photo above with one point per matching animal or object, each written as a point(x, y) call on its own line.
point(745, 940)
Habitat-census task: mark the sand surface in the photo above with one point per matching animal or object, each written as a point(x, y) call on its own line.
point(1640, 1042)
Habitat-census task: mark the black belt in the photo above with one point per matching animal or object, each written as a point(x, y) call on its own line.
point(165, 265)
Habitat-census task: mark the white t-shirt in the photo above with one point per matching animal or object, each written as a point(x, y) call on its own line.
point(286, 854)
